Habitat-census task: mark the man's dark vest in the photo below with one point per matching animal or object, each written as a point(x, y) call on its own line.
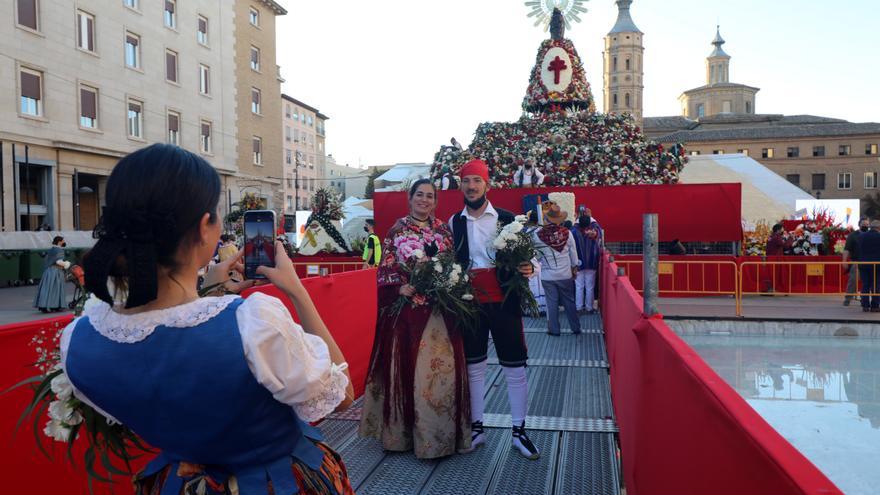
point(462, 250)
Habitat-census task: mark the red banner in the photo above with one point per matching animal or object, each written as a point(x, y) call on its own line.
point(688, 212)
point(682, 428)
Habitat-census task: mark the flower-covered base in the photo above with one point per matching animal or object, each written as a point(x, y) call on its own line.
point(570, 148)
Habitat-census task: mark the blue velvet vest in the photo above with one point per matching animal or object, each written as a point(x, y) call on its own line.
point(189, 392)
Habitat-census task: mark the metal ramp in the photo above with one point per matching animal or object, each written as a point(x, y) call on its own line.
point(570, 420)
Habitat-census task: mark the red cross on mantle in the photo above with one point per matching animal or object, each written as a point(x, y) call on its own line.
point(557, 66)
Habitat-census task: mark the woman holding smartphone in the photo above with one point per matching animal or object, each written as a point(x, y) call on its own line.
point(417, 395)
point(224, 386)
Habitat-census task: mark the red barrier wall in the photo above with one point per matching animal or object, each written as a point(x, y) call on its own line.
point(682, 428)
point(689, 212)
point(346, 302)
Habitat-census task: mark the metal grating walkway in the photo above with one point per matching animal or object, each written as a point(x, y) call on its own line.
point(570, 420)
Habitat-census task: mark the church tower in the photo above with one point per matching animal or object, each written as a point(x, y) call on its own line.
point(623, 69)
point(718, 62)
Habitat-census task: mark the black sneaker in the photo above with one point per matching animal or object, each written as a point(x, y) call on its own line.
point(521, 442)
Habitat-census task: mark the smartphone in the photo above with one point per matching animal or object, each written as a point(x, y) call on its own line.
point(259, 241)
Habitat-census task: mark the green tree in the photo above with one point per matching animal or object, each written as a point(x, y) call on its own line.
point(872, 205)
point(371, 186)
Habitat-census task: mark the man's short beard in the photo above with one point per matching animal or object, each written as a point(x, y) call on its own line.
point(477, 204)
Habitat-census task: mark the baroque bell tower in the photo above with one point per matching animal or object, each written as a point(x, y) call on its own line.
point(623, 70)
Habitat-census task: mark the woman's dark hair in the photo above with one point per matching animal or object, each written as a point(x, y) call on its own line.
point(777, 228)
point(156, 197)
point(415, 186)
point(57, 240)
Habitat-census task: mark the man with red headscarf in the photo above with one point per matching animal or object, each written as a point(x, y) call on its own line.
point(473, 230)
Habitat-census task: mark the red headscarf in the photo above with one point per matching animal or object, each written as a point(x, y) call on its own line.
point(475, 167)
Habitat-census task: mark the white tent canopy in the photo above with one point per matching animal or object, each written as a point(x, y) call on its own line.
point(765, 195)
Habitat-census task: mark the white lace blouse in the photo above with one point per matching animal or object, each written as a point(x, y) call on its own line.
point(293, 365)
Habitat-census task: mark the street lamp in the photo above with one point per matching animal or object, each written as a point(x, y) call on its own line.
point(299, 157)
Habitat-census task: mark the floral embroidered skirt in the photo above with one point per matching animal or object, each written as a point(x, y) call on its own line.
point(331, 479)
point(417, 396)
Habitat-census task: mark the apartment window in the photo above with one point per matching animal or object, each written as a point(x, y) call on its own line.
point(818, 182)
point(204, 79)
point(311, 122)
point(614, 100)
point(287, 133)
point(174, 128)
point(295, 113)
point(870, 180)
point(85, 31)
point(287, 112)
point(717, 152)
point(288, 156)
point(794, 179)
point(844, 180)
point(701, 110)
point(202, 33)
point(171, 14)
point(767, 153)
point(135, 119)
point(255, 58)
point(870, 149)
point(289, 203)
point(302, 118)
point(258, 151)
point(132, 4)
point(31, 92)
point(205, 137)
point(27, 14)
point(255, 17)
point(843, 150)
point(88, 107)
point(818, 151)
point(255, 101)
point(743, 151)
point(171, 66)
point(132, 50)
point(793, 152)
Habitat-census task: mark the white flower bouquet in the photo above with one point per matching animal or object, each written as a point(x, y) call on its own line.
point(440, 281)
point(513, 246)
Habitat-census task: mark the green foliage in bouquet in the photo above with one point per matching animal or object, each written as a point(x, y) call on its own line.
point(440, 281)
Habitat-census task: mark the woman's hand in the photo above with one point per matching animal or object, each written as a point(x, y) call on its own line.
point(525, 268)
point(221, 274)
point(283, 275)
point(407, 290)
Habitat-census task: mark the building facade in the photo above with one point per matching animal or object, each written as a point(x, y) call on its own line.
point(85, 82)
point(258, 103)
point(828, 158)
point(718, 95)
point(623, 72)
point(346, 181)
point(304, 134)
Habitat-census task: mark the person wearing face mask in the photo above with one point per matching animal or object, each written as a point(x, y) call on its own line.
point(528, 175)
point(373, 246)
point(50, 292)
point(589, 239)
point(851, 253)
point(473, 229)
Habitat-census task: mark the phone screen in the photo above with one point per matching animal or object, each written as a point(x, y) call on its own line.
point(259, 241)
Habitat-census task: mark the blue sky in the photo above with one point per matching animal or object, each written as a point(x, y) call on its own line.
point(398, 79)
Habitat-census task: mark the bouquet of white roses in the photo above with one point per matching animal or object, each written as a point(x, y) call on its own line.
point(70, 419)
point(513, 246)
point(438, 280)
